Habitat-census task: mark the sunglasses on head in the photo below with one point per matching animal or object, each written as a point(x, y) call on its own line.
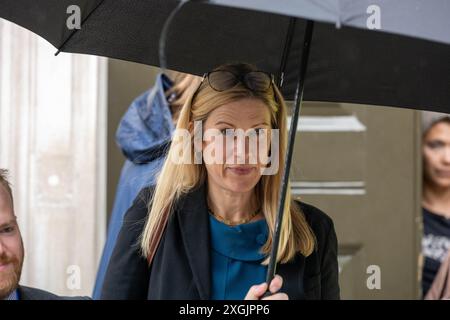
point(221, 80)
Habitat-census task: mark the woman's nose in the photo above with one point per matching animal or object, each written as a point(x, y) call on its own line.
point(245, 150)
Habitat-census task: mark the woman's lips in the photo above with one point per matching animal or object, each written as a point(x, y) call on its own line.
point(241, 171)
point(442, 173)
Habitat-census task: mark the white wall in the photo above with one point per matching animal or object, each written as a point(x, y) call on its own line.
point(53, 140)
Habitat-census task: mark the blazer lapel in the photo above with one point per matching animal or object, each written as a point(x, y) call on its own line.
point(194, 225)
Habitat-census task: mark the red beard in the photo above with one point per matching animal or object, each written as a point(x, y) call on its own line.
point(9, 278)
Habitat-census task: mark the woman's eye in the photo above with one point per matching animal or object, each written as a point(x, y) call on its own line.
point(435, 144)
point(260, 131)
point(227, 132)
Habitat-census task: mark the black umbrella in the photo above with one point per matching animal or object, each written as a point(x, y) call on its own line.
point(323, 45)
point(347, 64)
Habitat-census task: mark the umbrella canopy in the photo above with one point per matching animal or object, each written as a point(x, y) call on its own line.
point(347, 64)
point(416, 18)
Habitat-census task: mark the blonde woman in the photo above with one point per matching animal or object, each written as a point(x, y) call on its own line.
point(205, 230)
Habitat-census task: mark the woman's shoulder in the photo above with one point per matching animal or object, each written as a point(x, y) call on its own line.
point(318, 220)
point(139, 208)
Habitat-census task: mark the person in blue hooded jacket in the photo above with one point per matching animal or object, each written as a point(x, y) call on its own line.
point(144, 134)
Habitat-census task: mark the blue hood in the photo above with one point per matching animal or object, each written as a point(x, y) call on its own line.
point(147, 126)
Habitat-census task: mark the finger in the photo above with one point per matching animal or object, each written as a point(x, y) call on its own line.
point(276, 284)
point(277, 296)
point(256, 292)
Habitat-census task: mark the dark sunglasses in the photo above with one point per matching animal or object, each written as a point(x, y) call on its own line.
point(221, 80)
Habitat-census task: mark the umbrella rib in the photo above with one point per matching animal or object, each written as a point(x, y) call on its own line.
point(75, 31)
point(287, 47)
point(164, 33)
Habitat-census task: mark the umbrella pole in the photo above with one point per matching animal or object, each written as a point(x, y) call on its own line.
point(271, 269)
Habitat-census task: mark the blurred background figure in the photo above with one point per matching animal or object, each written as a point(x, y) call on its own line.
point(11, 245)
point(436, 194)
point(12, 252)
point(143, 135)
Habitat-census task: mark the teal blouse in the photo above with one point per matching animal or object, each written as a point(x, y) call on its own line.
point(235, 258)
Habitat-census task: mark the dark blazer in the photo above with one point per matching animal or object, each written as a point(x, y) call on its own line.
point(181, 266)
point(27, 293)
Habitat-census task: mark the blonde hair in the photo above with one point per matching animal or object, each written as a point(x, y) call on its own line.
point(176, 180)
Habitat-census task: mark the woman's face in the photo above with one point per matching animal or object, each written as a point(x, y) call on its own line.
point(436, 155)
point(241, 165)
